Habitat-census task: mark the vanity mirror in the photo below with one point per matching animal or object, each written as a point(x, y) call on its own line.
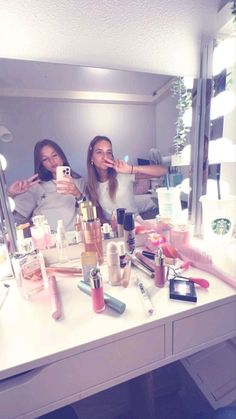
point(72, 104)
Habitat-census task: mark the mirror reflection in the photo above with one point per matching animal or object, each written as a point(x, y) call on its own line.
point(71, 105)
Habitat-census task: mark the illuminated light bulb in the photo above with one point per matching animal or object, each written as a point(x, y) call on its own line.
point(126, 158)
point(186, 154)
point(188, 82)
point(187, 117)
point(12, 204)
point(185, 186)
point(221, 150)
point(224, 55)
point(222, 104)
point(183, 219)
point(212, 188)
point(3, 162)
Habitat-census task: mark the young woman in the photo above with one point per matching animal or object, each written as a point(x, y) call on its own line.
point(110, 181)
point(41, 194)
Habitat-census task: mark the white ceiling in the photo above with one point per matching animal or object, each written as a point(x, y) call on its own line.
point(147, 35)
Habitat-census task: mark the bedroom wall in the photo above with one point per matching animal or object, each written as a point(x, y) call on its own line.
point(73, 125)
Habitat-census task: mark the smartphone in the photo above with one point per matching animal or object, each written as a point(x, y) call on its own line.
point(62, 171)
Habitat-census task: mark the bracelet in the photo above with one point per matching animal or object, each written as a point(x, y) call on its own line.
point(132, 168)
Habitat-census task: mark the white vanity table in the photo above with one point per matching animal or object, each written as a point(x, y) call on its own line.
point(46, 364)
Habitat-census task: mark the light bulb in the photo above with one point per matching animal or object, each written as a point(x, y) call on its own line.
point(188, 82)
point(222, 104)
point(224, 55)
point(212, 188)
point(3, 162)
point(12, 204)
point(187, 117)
point(221, 150)
point(186, 154)
point(185, 186)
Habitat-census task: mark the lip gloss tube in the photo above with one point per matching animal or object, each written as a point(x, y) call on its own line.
point(110, 301)
point(55, 298)
point(97, 290)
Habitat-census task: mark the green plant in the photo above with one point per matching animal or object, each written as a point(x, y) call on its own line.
point(184, 102)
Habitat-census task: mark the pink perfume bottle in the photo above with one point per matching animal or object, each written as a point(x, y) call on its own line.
point(92, 233)
point(97, 290)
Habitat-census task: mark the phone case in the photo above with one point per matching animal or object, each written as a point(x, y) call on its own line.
point(62, 171)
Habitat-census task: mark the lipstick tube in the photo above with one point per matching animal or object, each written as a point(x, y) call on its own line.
point(159, 269)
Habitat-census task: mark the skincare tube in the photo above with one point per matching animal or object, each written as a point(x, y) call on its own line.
point(110, 301)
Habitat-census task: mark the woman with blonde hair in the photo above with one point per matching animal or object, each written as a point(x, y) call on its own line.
point(110, 181)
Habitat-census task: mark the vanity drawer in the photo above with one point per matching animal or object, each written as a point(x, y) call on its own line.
point(65, 380)
point(204, 327)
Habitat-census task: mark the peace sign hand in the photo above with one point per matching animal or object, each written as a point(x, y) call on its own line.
point(21, 186)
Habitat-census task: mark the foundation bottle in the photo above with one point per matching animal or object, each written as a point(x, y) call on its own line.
point(120, 213)
point(91, 231)
point(113, 263)
point(129, 233)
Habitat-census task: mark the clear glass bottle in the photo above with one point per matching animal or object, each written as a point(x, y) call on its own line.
point(61, 243)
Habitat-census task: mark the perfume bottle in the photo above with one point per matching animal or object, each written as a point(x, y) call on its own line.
point(159, 268)
point(113, 263)
point(91, 231)
point(129, 234)
point(120, 212)
point(61, 243)
point(97, 293)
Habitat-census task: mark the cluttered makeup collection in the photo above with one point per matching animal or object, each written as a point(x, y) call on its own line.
point(122, 252)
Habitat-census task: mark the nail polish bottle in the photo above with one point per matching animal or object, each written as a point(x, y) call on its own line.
point(92, 233)
point(113, 264)
point(120, 212)
point(97, 293)
point(129, 234)
point(159, 269)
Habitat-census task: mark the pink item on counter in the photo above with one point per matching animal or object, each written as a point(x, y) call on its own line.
point(54, 298)
point(179, 236)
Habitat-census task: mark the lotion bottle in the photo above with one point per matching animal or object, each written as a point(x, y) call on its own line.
point(120, 212)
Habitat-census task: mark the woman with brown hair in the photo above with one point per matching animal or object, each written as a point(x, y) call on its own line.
point(110, 181)
point(42, 194)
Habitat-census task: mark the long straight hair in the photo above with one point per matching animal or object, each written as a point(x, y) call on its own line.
point(93, 176)
point(39, 168)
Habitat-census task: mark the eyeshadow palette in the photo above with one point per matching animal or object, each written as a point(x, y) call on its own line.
point(182, 290)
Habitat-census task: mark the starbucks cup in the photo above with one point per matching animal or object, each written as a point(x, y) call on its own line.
point(218, 218)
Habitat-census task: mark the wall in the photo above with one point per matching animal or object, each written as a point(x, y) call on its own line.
point(73, 125)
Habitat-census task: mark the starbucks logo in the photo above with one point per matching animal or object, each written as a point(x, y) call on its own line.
point(221, 226)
